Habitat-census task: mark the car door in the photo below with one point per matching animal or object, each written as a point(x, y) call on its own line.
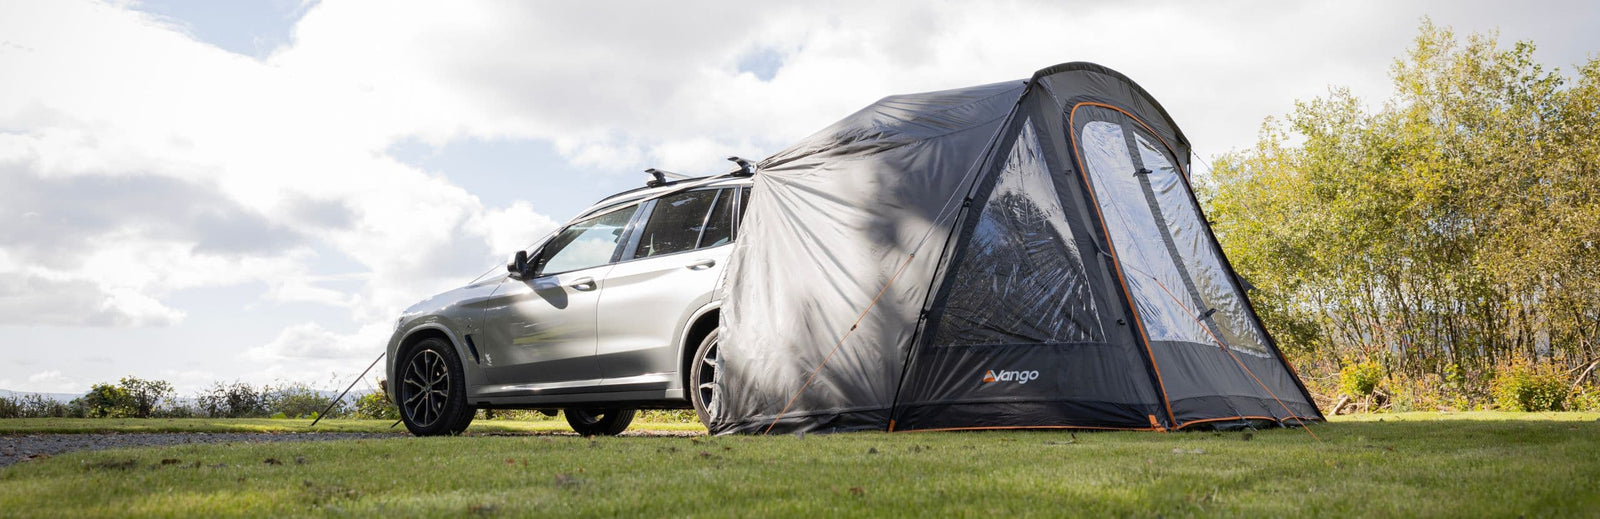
point(667, 271)
point(539, 334)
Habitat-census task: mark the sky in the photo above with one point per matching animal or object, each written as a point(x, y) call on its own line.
point(200, 191)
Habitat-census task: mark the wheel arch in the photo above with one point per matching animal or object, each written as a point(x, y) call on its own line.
point(411, 338)
point(702, 324)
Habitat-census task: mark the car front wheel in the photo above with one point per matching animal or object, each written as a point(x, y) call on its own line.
point(433, 391)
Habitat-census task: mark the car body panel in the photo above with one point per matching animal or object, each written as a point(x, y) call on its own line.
point(644, 307)
point(541, 332)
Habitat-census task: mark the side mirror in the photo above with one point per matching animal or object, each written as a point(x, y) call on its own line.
point(519, 265)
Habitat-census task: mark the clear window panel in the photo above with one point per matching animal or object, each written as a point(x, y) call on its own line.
point(1154, 282)
point(1195, 247)
point(1021, 279)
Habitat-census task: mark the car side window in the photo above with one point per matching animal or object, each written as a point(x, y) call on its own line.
point(719, 226)
point(589, 243)
point(744, 202)
point(676, 223)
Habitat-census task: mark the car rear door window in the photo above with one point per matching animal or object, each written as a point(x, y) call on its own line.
point(719, 226)
point(589, 243)
point(676, 223)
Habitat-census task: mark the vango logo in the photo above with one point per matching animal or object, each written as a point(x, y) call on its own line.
point(1020, 377)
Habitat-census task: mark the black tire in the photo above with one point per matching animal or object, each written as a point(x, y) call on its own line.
point(590, 421)
point(704, 377)
point(433, 390)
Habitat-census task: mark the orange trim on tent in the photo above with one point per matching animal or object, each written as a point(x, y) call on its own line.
point(1071, 132)
point(1225, 349)
point(1227, 418)
point(1013, 428)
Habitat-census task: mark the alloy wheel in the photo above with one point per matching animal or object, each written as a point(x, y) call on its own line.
point(426, 388)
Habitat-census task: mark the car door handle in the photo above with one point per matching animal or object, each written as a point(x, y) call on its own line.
point(702, 264)
point(583, 284)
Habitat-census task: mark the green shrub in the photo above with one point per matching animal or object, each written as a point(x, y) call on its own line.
point(236, 400)
point(1585, 399)
point(667, 416)
point(33, 405)
point(299, 400)
point(376, 405)
point(1522, 386)
point(104, 401)
point(175, 410)
point(1360, 379)
point(144, 395)
point(514, 415)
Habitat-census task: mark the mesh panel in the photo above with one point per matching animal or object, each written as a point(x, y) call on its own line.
point(1021, 278)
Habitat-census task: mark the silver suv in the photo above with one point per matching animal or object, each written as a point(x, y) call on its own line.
point(613, 313)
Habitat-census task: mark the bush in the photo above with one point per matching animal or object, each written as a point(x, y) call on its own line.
point(667, 416)
point(236, 400)
point(35, 405)
point(299, 400)
point(1522, 386)
point(1360, 379)
point(32, 405)
point(103, 401)
point(176, 410)
point(144, 395)
point(132, 397)
point(1585, 399)
point(376, 405)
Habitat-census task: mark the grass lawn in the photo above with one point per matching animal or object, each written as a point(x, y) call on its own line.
point(1434, 464)
point(273, 425)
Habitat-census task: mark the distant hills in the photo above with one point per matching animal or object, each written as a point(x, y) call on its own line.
point(59, 397)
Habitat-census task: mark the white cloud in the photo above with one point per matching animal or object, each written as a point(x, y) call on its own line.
point(155, 164)
point(53, 382)
point(513, 228)
point(309, 353)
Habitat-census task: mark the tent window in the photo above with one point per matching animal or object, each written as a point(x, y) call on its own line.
point(1210, 288)
point(1155, 283)
point(1021, 279)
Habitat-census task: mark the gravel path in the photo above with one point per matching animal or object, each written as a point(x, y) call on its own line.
point(24, 447)
point(16, 448)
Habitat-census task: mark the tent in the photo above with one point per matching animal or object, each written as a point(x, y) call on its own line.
point(1026, 254)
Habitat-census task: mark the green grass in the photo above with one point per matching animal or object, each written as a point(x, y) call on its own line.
point(1448, 465)
point(273, 425)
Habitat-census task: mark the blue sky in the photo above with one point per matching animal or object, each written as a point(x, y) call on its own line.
point(199, 191)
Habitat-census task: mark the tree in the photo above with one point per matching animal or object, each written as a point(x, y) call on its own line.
point(144, 395)
point(103, 401)
point(1451, 231)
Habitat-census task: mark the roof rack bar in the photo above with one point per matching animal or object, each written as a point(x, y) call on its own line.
point(745, 167)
